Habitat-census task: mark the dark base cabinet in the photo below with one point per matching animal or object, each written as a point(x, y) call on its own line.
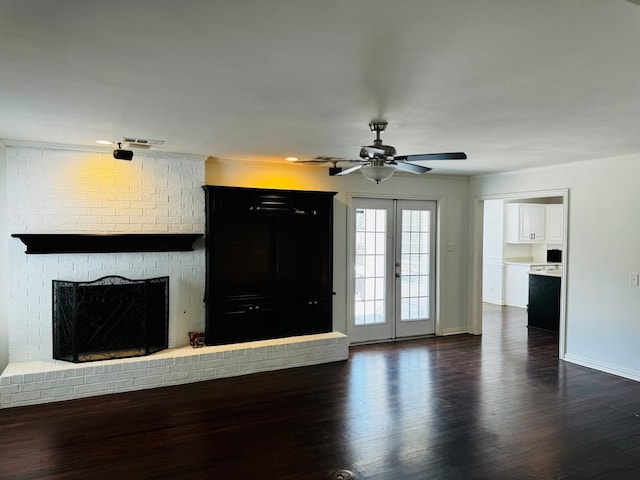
point(269, 263)
point(544, 302)
point(234, 321)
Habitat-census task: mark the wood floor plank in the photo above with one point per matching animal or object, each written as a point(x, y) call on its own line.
point(460, 407)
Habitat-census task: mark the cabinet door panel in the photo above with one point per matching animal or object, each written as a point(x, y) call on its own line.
point(242, 257)
point(554, 224)
point(226, 326)
point(538, 223)
point(516, 285)
point(264, 322)
point(302, 249)
point(525, 228)
point(234, 322)
point(310, 315)
point(524, 223)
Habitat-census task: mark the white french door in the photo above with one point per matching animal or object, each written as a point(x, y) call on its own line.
point(392, 284)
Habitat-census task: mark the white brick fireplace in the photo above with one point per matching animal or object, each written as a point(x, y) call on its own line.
point(66, 191)
point(57, 190)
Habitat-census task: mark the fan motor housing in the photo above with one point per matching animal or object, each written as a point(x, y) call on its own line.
point(384, 151)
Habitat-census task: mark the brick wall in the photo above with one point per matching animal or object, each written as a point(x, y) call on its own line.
point(66, 191)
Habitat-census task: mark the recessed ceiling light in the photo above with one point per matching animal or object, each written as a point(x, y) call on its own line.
point(291, 159)
point(104, 142)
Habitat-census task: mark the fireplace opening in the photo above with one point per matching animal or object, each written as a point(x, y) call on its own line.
point(112, 317)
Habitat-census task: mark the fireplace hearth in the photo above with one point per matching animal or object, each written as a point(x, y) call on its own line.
point(112, 317)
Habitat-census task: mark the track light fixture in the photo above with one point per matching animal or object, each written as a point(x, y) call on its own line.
point(121, 154)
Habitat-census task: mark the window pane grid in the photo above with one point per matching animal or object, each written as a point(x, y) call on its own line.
point(371, 225)
point(414, 265)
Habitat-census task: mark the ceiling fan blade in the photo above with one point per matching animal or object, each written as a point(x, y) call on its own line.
point(407, 167)
point(321, 160)
point(349, 170)
point(318, 159)
point(433, 156)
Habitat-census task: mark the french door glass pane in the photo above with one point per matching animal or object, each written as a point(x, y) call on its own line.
point(415, 250)
point(371, 225)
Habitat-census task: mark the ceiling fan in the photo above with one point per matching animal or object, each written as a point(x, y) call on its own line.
point(379, 162)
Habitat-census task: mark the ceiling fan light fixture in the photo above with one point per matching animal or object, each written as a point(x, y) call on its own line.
point(378, 162)
point(377, 173)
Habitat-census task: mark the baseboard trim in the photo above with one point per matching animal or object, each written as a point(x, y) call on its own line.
point(453, 331)
point(603, 367)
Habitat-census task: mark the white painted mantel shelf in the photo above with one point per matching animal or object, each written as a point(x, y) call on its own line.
point(29, 383)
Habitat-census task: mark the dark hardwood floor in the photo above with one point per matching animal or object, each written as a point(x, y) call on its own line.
point(500, 406)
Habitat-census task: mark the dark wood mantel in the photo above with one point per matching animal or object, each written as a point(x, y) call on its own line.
point(107, 243)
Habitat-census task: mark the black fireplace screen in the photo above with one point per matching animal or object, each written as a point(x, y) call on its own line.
point(112, 317)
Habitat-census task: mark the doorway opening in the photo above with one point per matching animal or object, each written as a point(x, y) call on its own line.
point(523, 242)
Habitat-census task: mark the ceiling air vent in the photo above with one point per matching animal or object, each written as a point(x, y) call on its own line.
point(145, 143)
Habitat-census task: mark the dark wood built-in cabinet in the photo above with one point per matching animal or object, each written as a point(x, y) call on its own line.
point(269, 263)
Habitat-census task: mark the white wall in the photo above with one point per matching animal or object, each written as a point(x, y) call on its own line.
point(603, 327)
point(451, 192)
point(56, 190)
point(4, 262)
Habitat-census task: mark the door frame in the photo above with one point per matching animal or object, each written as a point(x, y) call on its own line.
point(475, 260)
point(439, 200)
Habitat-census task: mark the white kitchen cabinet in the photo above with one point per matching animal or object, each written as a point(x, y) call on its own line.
point(554, 224)
point(492, 281)
point(525, 223)
point(516, 285)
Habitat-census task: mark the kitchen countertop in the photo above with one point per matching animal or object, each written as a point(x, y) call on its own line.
point(526, 261)
point(547, 273)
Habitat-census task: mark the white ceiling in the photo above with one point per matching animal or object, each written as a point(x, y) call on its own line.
point(513, 83)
